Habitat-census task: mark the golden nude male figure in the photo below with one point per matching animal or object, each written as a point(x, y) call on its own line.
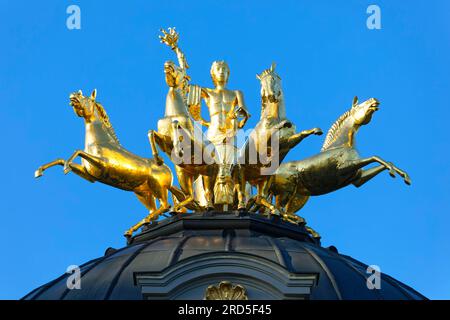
point(228, 114)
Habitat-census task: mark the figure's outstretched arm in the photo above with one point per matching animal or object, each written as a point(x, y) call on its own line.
point(181, 58)
point(195, 93)
point(242, 109)
point(170, 38)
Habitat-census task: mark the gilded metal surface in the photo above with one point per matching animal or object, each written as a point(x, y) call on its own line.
point(105, 160)
point(228, 114)
point(178, 123)
point(336, 166)
point(272, 127)
point(225, 290)
point(211, 171)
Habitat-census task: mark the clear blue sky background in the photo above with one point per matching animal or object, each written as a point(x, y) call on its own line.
point(325, 56)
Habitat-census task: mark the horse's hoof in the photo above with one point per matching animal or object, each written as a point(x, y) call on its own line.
point(408, 180)
point(392, 172)
point(318, 132)
point(38, 173)
point(391, 169)
point(128, 234)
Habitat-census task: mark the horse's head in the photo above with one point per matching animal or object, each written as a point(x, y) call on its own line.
point(362, 112)
point(84, 106)
point(91, 111)
point(343, 131)
point(270, 85)
point(175, 75)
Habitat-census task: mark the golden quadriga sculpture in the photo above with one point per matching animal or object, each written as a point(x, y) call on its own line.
point(213, 172)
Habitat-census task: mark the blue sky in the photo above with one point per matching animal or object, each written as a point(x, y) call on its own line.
point(325, 56)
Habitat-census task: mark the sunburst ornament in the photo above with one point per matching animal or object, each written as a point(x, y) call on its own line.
point(225, 290)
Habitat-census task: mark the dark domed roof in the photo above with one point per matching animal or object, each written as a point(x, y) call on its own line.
point(180, 257)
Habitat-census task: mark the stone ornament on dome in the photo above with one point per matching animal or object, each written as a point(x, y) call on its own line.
point(225, 290)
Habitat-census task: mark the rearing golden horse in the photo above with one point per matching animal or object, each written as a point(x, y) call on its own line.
point(180, 138)
point(336, 166)
point(271, 140)
point(105, 160)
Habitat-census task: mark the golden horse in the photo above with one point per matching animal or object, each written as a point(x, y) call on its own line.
point(183, 142)
point(336, 166)
point(106, 161)
point(270, 141)
point(179, 137)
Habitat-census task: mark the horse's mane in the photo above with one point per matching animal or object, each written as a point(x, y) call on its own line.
point(105, 120)
point(335, 130)
point(268, 72)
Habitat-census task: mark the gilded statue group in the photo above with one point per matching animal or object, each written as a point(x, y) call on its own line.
point(213, 173)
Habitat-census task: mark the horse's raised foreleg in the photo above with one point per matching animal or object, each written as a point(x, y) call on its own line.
point(40, 171)
point(90, 158)
point(76, 168)
point(81, 171)
point(297, 138)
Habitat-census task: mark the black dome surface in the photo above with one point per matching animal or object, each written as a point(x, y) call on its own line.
point(181, 256)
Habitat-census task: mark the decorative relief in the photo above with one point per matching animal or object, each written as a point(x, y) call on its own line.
point(225, 290)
